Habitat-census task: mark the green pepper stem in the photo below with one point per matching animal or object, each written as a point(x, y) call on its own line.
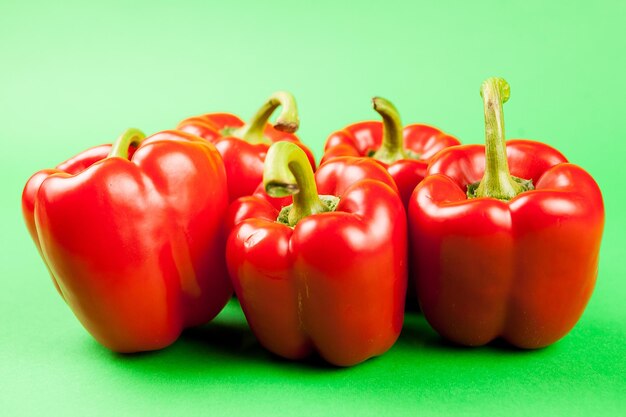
point(130, 137)
point(392, 147)
point(287, 171)
point(497, 181)
point(287, 120)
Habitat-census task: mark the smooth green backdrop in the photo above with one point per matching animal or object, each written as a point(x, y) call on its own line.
point(76, 74)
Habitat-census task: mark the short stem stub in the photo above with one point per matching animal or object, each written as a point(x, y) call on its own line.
point(287, 120)
point(497, 181)
point(392, 147)
point(131, 137)
point(287, 171)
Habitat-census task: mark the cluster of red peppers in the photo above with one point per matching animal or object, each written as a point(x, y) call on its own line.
point(148, 236)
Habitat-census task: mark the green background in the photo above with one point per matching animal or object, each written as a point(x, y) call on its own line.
point(77, 74)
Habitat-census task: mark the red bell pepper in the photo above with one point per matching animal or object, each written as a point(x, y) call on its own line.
point(135, 247)
point(404, 152)
point(512, 255)
point(244, 146)
point(327, 273)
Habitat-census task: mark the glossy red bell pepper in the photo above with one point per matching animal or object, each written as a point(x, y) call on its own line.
point(499, 253)
point(135, 247)
point(327, 273)
point(243, 146)
point(404, 152)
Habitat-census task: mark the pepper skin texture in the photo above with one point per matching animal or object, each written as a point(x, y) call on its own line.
point(243, 157)
point(365, 138)
point(522, 269)
point(336, 282)
point(333, 176)
point(135, 247)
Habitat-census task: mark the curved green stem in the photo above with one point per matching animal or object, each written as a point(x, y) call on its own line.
point(287, 171)
point(287, 120)
point(130, 137)
point(497, 181)
point(392, 147)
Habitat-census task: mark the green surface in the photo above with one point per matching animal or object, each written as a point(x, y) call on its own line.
point(78, 74)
